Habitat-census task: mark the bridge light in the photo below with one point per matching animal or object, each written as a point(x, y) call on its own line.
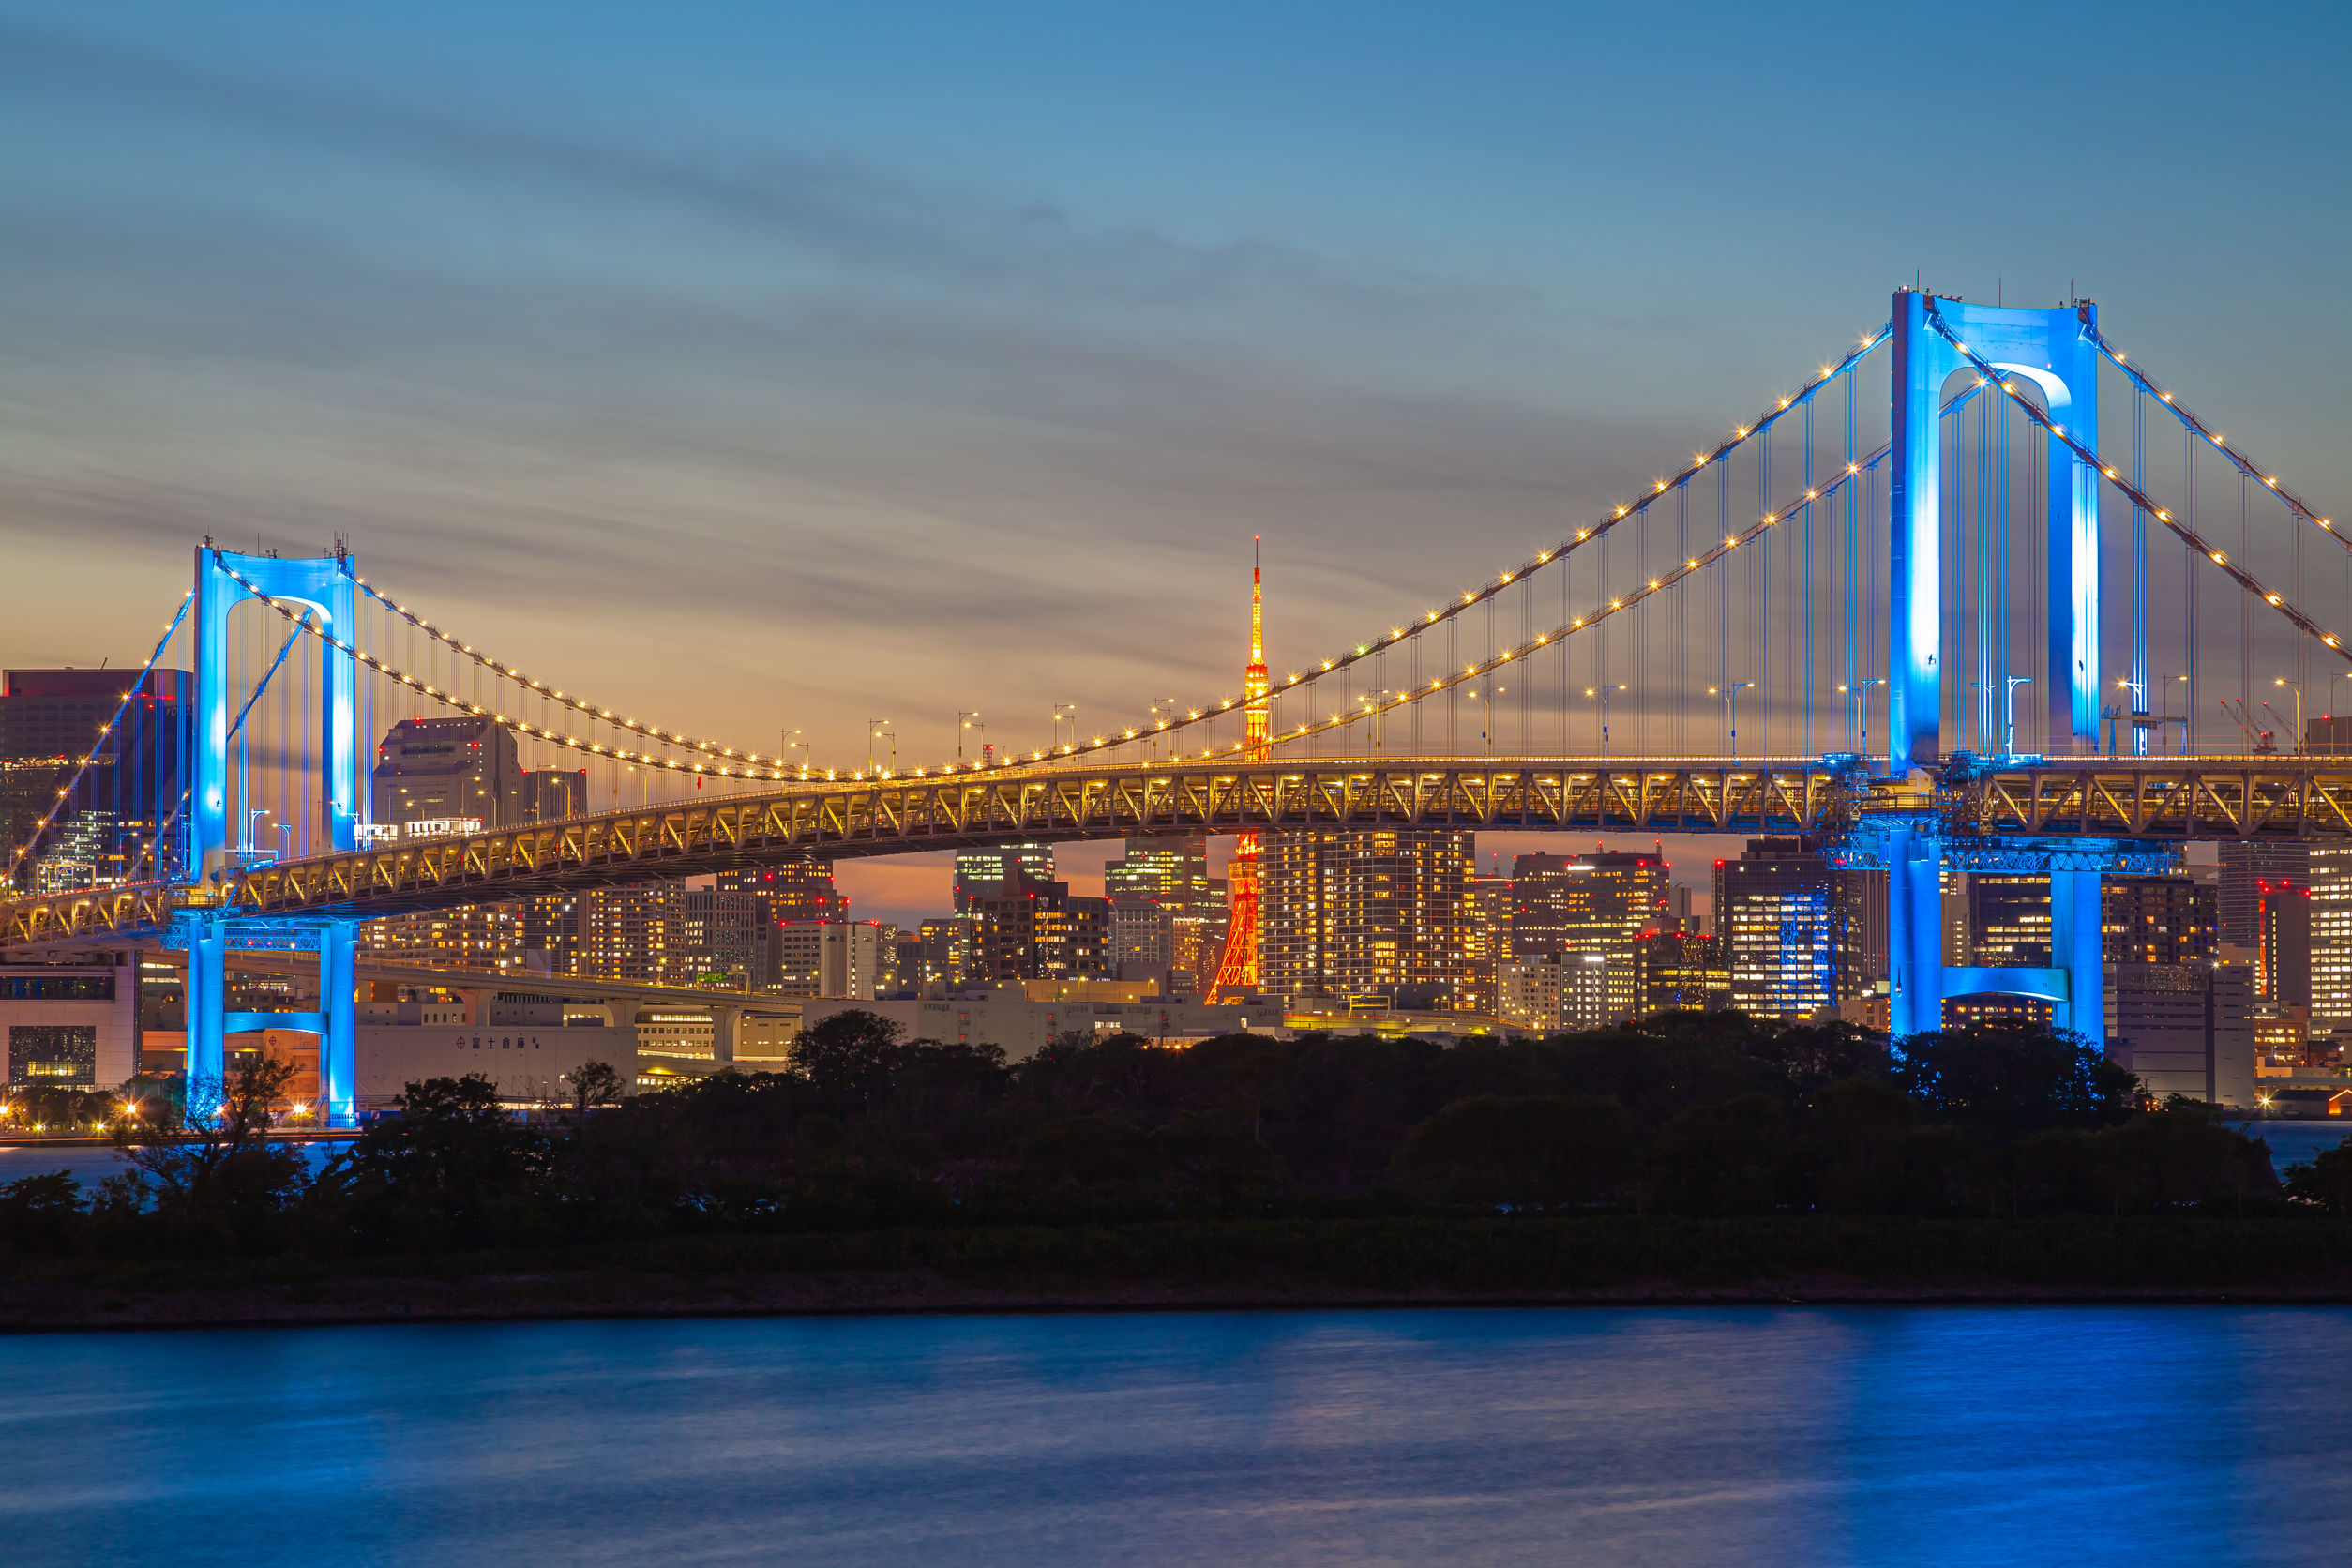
point(2273, 482)
point(1813, 495)
point(1741, 434)
point(2218, 560)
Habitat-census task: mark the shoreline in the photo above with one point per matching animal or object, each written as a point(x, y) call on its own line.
point(37, 1308)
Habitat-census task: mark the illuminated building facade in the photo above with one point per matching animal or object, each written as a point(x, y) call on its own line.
point(1175, 872)
point(2331, 922)
point(995, 870)
point(827, 958)
point(1348, 912)
point(1774, 911)
point(486, 937)
point(801, 889)
point(721, 936)
point(1575, 903)
point(103, 833)
point(2157, 920)
point(447, 770)
point(938, 959)
point(1680, 971)
point(1038, 931)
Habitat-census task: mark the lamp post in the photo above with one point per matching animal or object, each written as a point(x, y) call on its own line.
point(1064, 711)
point(2297, 687)
point(791, 741)
point(1731, 700)
point(875, 730)
point(1603, 693)
point(963, 722)
point(1153, 747)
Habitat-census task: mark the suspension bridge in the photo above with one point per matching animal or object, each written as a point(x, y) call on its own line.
point(2026, 612)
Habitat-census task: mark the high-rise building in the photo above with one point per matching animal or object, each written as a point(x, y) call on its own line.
point(938, 959)
point(1486, 939)
point(1175, 873)
point(2009, 920)
point(1569, 903)
point(994, 870)
point(104, 832)
point(799, 889)
point(1350, 913)
point(1680, 971)
point(827, 957)
point(2331, 922)
point(628, 934)
point(447, 770)
point(721, 938)
point(2185, 1029)
point(1775, 912)
point(2256, 878)
point(2157, 920)
point(481, 937)
point(1859, 908)
point(1038, 931)
point(1142, 941)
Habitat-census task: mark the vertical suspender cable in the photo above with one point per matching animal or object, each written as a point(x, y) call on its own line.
point(1804, 662)
point(2142, 695)
point(1851, 583)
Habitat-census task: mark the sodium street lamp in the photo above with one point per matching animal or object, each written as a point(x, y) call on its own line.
point(963, 722)
point(877, 729)
point(1064, 711)
point(2295, 686)
point(1858, 711)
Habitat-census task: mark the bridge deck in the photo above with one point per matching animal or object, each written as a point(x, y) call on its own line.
point(2155, 798)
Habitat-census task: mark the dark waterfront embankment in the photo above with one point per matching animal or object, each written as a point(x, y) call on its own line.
point(1402, 1262)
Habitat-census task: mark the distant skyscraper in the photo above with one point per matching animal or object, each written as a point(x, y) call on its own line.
point(2157, 920)
point(1574, 903)
point(2331, 922)
point(1038, 931)
point(1366, 911)
point(799, 889)
point(1775, 912)
point(1174, 873)
point(994, 869)
point(1680, 971)
point(104, 832)
point(442, 770)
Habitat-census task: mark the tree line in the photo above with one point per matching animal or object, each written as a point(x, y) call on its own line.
point(1698, 1114)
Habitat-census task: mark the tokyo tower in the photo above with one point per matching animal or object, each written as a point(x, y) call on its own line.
point(1237, 970)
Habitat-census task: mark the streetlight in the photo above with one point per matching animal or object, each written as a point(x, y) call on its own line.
point(252, 812)
point(1061, 711)
point(1858, 710)
point(789, 743)
point(1603, 693)
point(2297, 687)
point(963, 722)
point(1169, 703)
point(1731, 700)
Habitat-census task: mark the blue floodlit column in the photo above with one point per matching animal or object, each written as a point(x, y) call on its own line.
point(208, 770)
point(1915, 933)
point(339, 999)
point(1914, 551)
point(2077, 945)
point(206, 1000)
point(2074, 535)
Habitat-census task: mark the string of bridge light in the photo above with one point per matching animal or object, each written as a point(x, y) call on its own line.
point(1692, 566)
point(2244, 578)
point(561, 738)
point(1472, 598)
point(2221, 443)
point(537, 688)
point(106, 733)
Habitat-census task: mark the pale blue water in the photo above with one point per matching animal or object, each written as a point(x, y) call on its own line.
point(1727, 1437)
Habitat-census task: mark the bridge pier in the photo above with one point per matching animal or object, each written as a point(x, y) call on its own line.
point(1913, 851)
point(339, 1045)
point(207, 1001)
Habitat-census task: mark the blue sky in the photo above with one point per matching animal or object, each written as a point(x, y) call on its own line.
point(776, 366)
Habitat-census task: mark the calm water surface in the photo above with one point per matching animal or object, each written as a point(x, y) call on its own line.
point(1801, 1437)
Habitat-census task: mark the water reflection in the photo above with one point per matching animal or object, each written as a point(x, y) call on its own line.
point(1601, 1436)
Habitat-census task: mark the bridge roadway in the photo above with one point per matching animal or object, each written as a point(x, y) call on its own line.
point(2157, 799)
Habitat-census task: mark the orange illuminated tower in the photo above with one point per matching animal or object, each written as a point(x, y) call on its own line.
point(1237, 972)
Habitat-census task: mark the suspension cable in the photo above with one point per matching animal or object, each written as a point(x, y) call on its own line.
point(106, 733)
point(2236, 572)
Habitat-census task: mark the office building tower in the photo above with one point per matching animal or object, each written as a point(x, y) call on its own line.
point(826, 957)
point(2256, 878)
point(1775, 912)
point(1038, 931)
point(1569, 903)
point(104, 832)
point(941, 959)
point(1347, 913)
point(800, 889)
point(626, 934)
point(995, 870)
point(2009, 920)
point(1175, 873)
point(721, 939)
point(434, 775)
point(2157, 920)
point(2330, 918)
point(481, 937)
point(1486, 936)
point(2185, 1029)
point(1859, 908)
point(1680, 971)
point(1142, 941)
